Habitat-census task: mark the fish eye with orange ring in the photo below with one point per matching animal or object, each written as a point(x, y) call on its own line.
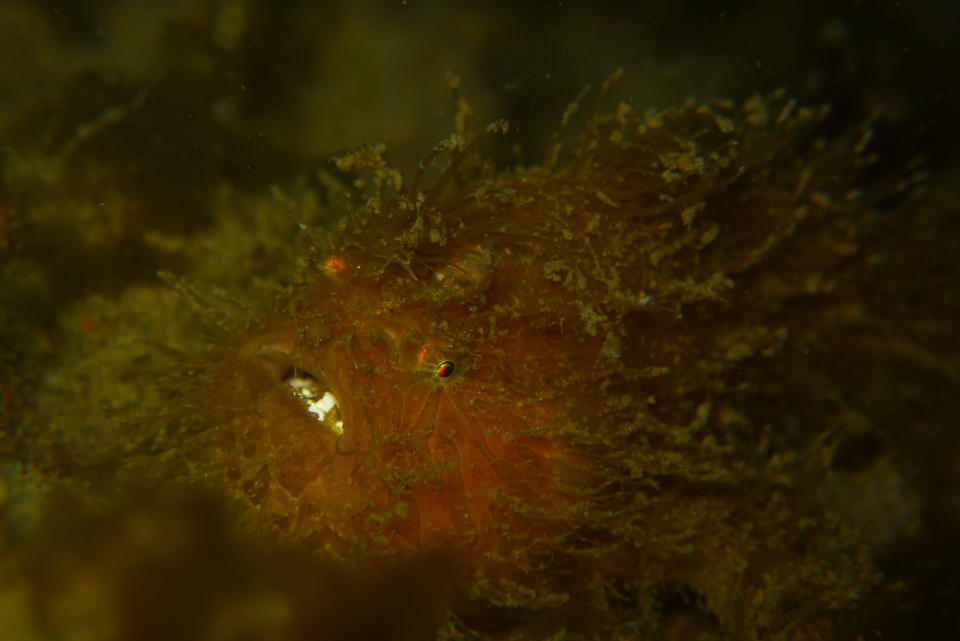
point(444, 369)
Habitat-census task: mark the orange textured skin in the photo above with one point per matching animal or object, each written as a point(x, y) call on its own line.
point(471, 459)
point(649, 335)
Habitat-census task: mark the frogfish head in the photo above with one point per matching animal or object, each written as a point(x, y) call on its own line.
point(409, 398)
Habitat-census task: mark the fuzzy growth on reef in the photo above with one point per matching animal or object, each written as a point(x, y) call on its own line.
point(607, 381)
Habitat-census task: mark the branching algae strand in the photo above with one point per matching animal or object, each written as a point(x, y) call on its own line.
point(602, 380)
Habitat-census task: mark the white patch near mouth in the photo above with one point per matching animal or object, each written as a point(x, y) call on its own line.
point(324, 406)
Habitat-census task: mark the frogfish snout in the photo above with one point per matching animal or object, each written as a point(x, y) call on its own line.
point(399, 426)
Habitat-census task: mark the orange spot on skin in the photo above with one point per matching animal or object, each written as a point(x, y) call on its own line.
point(423, 356)
point(335, 264)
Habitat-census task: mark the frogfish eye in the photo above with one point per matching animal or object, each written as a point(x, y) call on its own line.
point(444, 369)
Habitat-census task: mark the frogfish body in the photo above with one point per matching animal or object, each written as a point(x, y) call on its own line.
point(603, 366)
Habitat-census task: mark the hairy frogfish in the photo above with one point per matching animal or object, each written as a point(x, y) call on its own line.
point(614, 368)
